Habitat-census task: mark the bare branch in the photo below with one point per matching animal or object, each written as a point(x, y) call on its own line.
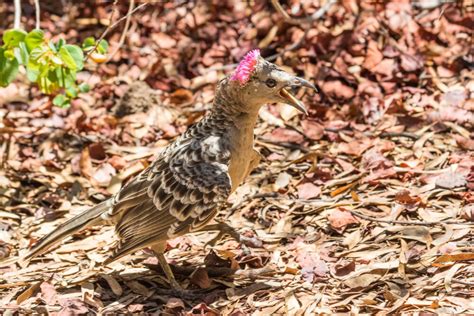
point(417, 223)
point(37, 11)
point(17, 20)
point(111, 27)
point(125, 30)
point(297, 21)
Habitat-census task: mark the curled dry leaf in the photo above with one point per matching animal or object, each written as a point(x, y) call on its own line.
point(404, 197)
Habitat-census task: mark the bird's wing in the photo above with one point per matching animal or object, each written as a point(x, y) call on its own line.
point(178, 194)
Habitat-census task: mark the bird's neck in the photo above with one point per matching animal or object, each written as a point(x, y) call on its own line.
point(230, 108)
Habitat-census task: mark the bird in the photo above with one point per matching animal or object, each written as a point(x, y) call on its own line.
point(182, 190)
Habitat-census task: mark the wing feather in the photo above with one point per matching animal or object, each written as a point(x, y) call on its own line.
point(177, 194)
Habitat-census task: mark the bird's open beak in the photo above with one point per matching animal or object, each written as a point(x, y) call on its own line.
point(296, 82)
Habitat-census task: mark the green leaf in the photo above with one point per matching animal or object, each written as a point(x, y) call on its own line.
point(21, 54)
point(84, 87)
point(71, 92)
point(57, 60)
point(13, 37)
point(32, 71)
point(34, 39)
point(52, 76)
point(37, 52)
point(72, 57)
point(60, 43)
point(52, 46)
point(9, 54)
point(59, 100)
point(103, 47)
point(88, 43)
point(8, 69)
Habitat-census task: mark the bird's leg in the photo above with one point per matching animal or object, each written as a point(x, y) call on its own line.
point(176, 289)
point(225, 229)
point(159, 249)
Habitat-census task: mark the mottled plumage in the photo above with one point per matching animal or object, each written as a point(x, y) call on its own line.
point(180, 192)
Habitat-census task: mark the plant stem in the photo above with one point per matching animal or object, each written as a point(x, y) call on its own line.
point(124, 32)
point(17, 20)
point(37, 11)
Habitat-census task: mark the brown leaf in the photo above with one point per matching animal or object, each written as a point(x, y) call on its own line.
point(214, 260)
point(410, 63)
point(284, 135)
point(200, 278)
point(378, 174)
point(451, 180)
point(163, 40)
point(374, 109)
point(451, 114)
point(386, 68)
point(203, 310)
point(85, 163)
point(48, 293)
point(97, 151)
point(337, 90)
point(72, 306)
point(355, 147)
point(181, 96)
point(29, 292)
point(404, 197)
point(362, 281)
point(464, 143)
point(103, 175)
point(308, 190)
point(339, 220)
point(440, 261)
point(312, 265)
point(174, 306)
point(344, 269)
point(468, 212)
point(373, 57)
point(312, 129)
point(117, 162)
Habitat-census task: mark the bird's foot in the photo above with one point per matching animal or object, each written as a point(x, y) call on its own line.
point(225, 229)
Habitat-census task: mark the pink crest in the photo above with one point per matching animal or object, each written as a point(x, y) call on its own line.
point(246, 67)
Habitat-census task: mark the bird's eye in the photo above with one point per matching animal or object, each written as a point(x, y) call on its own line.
point(271, 83)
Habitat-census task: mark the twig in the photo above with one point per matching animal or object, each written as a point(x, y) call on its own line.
point(463, 282)
point(423, 5)
point(217, 271)
point(17, 20)
point(417, 223)
point(288, 145)
point(124, 32)
point(247, 199)
point(109, 28)
point(289, 49)
point(298, 21)
point(401, 134)
point(111, 16)
point(315, 16)
point(37, 12)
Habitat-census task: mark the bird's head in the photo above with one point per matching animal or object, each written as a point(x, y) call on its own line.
point(256, 82)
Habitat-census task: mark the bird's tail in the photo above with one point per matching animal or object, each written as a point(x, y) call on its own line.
point(86, 219)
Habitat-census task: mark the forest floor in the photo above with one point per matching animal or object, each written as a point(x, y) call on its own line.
point(364, 206)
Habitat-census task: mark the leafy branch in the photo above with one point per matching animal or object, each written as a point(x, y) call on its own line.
point(53, 66)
